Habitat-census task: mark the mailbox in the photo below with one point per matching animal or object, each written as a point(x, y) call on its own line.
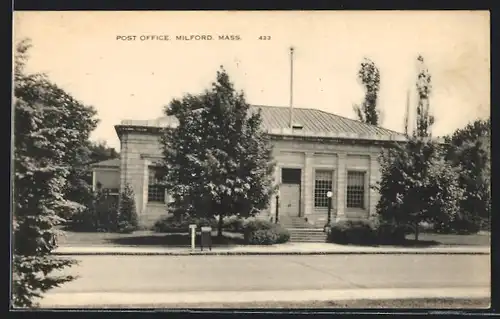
point(206, 237)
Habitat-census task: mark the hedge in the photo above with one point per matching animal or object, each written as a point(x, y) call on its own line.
point(174, 224)
point(263, 232)
point(365, 232)
point(233, 224)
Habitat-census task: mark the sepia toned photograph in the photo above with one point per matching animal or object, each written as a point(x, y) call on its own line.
point(251, 160)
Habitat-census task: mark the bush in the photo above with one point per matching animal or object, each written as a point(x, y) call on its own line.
point(359, 232)
point(233, 224)
point(263, 232)
point(128, 220)
point(180, 224)
point(101, 214)
point(366, 232)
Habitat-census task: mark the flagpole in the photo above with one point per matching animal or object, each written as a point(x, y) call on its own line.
point(291, 87)
point(407, 115)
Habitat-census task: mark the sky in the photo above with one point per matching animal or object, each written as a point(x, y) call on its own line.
point(88, 55)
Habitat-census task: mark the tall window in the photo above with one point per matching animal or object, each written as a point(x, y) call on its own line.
point(156, 192)
point(323, 183)
point(356, 189)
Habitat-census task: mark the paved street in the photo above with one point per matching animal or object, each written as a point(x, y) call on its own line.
point(156, 274)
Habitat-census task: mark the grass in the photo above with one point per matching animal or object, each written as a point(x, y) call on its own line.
point(425, 303)
point(451, 239)
point(143, 238)
point(150, 238)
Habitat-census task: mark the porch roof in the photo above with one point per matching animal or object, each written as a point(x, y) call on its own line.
point(112, 163)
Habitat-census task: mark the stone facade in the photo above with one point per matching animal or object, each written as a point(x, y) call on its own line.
point(339, 157)
point(141, 149)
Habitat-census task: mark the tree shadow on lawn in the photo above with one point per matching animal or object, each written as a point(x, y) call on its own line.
point(176, 240)
point(412, 243)
point(443, 240)
point(408, 243)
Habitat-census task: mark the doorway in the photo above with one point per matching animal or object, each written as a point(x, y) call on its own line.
point(290, 191)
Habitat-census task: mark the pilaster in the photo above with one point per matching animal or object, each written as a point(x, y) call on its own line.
point(308, 183)
point(341, 186)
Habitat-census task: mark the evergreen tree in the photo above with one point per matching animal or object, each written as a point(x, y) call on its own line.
point(128, 220)
point(217, 161)
point(369, 76)
point(49, 128)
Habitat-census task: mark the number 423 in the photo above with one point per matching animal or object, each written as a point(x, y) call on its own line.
point(265, 37)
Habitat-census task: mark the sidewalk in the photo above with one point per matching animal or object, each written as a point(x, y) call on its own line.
point(163, 299)
point(283, 249)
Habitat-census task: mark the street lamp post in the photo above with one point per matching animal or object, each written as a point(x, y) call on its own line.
point(277, 206)
point(329, 218)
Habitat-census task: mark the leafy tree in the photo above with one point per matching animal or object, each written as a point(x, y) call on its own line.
point(369, 76)
point(100, 151)
point(49, 127)
point(424, 89)
point(79, 186)
point(416, 183)
point(217, 161)
point(469, 148)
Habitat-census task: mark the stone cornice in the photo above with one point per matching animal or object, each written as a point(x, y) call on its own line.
point(284, 136)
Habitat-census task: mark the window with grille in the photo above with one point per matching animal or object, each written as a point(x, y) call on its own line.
point(356, 189)
point(323, 183)
point(156, 191)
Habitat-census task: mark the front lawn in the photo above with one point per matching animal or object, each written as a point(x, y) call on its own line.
point(449, 239)
point(143, 238)
point(150, 238)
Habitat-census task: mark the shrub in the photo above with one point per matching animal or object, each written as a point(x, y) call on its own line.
point(263, 232)
point(261, 237)
point(128, 220)
point(101, 214)
point(367, 232)
point(180, 224)
point(233, 224)
point(283, 235)
point(361, 232)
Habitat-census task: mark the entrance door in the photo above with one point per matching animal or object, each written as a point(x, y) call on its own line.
point(290, 191)
point(290, 199)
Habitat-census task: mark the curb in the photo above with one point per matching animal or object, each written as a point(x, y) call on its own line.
point(209, 253)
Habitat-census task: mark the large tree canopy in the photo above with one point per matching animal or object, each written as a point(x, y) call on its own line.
point(217, 161)
point(50, 129)
point(469, 148)
point(417, 184)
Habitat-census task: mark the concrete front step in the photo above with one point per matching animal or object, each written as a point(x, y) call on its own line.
point(307, 235)
point(308, 240)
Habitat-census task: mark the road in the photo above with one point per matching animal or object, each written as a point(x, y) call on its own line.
point(153, 274)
